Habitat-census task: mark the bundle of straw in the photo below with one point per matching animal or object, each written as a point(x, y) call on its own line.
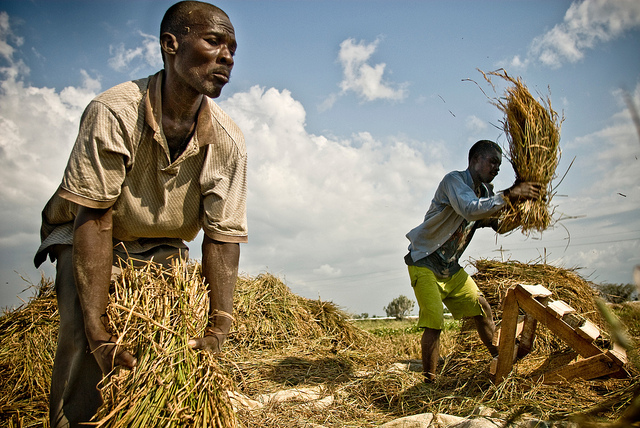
point(155, 312)
point(533, 133)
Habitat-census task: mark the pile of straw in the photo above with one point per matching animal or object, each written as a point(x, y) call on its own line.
point(494, 278)
point(155, 312)
point(269, 316)
point(305, 348)
point(27, 345)
point(533, 132)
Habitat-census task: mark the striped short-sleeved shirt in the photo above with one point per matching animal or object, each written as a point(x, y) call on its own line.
point(121, 159)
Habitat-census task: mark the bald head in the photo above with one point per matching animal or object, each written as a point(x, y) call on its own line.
point(181, 16)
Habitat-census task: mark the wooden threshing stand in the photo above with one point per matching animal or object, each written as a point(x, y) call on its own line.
point(563, 321)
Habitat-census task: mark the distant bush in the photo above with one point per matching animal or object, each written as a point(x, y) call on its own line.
point(617, 293)
point(362, 316)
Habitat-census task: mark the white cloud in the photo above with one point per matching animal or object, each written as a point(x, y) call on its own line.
point(7, 38)
point(475, 125)
point(38, 129)
point(133, 59)
point(614, 157)
point(518, 63)
point(327, 271)
point(365, 80)
point(586, 24)
point(319, 205)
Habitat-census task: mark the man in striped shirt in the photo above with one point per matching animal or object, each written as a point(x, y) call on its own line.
point(155, 162)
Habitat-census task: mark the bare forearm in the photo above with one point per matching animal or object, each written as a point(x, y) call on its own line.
point(220, 270)
point(92, 259)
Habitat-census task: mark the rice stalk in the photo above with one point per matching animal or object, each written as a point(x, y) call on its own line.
point(155, 312)
point(532, 129)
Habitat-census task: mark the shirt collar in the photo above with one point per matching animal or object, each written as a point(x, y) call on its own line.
point(203, 134)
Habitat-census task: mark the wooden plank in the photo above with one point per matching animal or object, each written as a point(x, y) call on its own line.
point(560, 308)
point(507, 336)
point(496, 334)
point(557, 326)
point(535, 290)
point(493, 367)
point(618, 354)
point(588, 368)
point(574, 320)
point(528, 335)
point(588, 331)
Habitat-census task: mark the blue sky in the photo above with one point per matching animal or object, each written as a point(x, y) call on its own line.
point(352, 111)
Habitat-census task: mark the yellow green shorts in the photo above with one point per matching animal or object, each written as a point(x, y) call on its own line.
point(459, 293)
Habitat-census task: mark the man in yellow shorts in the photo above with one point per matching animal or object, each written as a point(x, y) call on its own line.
point(464, 201)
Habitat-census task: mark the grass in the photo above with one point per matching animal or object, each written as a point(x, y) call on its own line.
point(386, 327)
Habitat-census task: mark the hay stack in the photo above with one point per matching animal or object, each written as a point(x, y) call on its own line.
point(367, 392)
point(155, 312)
point(27, 345)
point(494, 278)
point(533, 132)
point(269, 316)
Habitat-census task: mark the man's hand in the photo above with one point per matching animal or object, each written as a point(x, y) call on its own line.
point(104, 351)
point(212, 340)
point(524, 190)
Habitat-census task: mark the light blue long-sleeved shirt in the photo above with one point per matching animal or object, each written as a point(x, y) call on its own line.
point(454, 201)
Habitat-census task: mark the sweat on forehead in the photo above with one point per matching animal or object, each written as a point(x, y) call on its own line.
point(185, 15)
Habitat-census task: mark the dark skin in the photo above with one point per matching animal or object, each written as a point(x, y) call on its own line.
point(483, 168)
point(196, 64)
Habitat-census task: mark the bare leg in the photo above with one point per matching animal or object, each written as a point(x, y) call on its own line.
point(486, 326)
point(430, 352)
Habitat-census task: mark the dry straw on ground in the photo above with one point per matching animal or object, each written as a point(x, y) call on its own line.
point(283, 341)
point(532, 129)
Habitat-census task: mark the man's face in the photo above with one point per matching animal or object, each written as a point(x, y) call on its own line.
point(487, 165)
point(204, 58)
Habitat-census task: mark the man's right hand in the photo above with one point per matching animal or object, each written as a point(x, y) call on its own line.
point(104, 351)
point(524, 190)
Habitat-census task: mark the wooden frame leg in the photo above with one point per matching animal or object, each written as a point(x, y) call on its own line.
point(507, 336)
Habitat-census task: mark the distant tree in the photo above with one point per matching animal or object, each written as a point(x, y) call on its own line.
point(399, 307)
point(617, 293)
point(364, 315)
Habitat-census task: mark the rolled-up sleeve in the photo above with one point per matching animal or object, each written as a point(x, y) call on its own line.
point(224, 196)
point(97, 165)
